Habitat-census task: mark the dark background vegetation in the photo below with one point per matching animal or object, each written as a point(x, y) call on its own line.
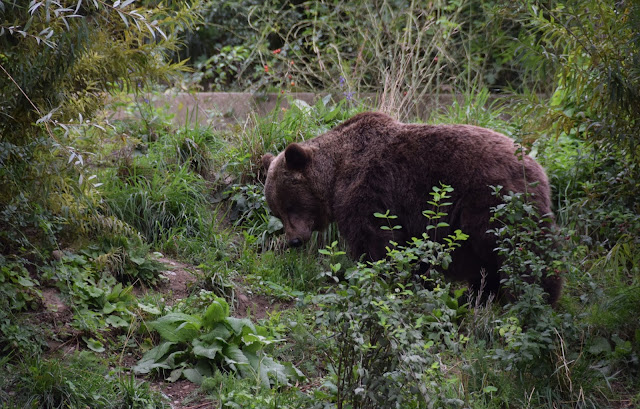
point(86, 204)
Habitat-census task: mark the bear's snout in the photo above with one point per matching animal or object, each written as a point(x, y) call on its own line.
point(295, 242)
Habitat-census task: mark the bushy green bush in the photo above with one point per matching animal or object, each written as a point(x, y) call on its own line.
point(531, 257)
point(595, 100)
point(58, 60)
point(388, 327)
point(401, 49)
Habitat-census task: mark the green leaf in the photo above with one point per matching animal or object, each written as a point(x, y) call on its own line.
point(108, 308)
point(116, 321)
point(302, 106)
point(177, 327)
point(489, 389)
point(94, 292)
point(235, 358)
point(274, 224)
point(268, 370)
point(151, 309)
point(93, 344)
point(263, 366)
point(252, 338)
point(193, 375)
point(293, 373)
point(25, 281)
point(175, 374)
point(206, 350)
point(219, 331)
point(115, 292)
point(238, 325)
point(138, 260)
point(599, 345)
point(216, 312)
point(153, 359)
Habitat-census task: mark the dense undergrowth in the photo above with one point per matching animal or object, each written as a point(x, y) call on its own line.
point(88, 209)
point(359, 335)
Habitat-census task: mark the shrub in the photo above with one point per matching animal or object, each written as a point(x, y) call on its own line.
point(388, 328)
point(530, 253)
point(57, 62)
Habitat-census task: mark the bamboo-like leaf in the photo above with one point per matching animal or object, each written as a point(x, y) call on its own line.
point(159, 30)
point(61, 10)
point(34, 6)
point(124, 18)
point(29, 22)
point(153, 34)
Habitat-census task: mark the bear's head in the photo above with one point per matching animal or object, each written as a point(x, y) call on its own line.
point(294, 194)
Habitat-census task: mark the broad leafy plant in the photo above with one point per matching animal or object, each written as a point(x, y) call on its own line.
point(197, 346)
point(100, 303)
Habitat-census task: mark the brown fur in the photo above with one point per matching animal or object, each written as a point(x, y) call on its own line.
point(372, 163)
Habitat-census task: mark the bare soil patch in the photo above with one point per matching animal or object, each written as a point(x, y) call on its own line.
point(180, 279)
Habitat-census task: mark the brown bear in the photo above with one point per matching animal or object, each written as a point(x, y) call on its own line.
point(372, 163)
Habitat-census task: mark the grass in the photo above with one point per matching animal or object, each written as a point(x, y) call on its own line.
point(196, 195)
point(79, 380)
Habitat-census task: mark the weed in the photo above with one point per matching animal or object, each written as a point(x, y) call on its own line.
point(387, 329)
point(158, 202)
point(230, 393)
point(79, 380)
point(196, 346)
point(19, 291)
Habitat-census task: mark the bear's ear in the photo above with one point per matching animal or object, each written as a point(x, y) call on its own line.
point(297, 156)
point(267, 158)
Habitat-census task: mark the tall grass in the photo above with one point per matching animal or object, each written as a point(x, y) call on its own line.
point(76, 381)
point(157, 202)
